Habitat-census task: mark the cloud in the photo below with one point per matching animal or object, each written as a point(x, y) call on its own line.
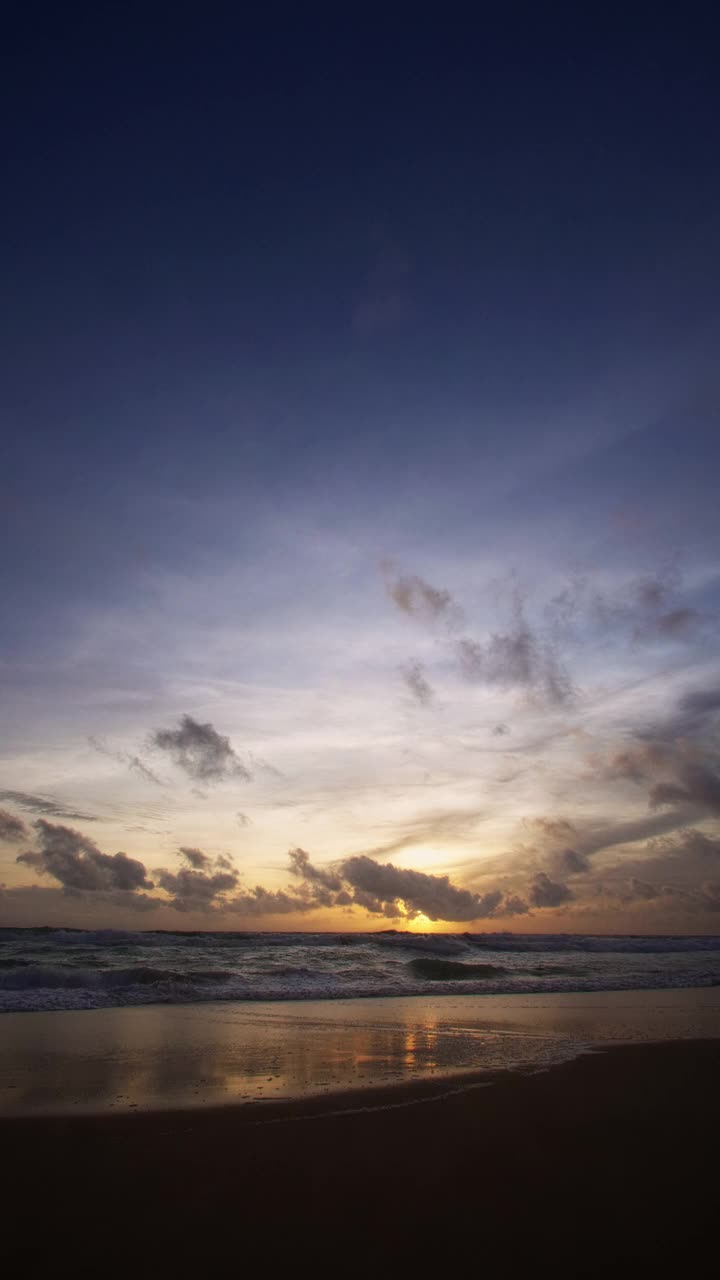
point(545, 892)
point(242, 819)
point(441, 825)
point(133, 762)
point(678, 622)
point(416, 681)
point(300, 865)
point(558, 839)
point(642, 889)
point(645, 609)
point(197, 890)
point(272, 902)
point(516, 658)
point(196, 857)
point(693, 711)
point(396, 893)
point(12, 829)
point(682, 867)
point(23, 903)
point(677, 758)
point(697, 784)
point(41, 804)
point(384, 889)
point(418, 599)
point(78, 865)
point(200, 751)
point(203, 885)
point(259, 765)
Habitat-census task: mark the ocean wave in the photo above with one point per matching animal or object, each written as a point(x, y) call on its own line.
point(86, 969)
point(453, 971)
point(44, 977)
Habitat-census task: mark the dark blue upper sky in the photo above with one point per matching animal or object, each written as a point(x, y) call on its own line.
point(251, 252)
point(273, 250)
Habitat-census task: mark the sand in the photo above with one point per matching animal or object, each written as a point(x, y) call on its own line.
point(175, 1056)
point(605, 1163)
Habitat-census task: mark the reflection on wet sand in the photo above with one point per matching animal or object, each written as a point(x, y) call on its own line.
point(194, 1055)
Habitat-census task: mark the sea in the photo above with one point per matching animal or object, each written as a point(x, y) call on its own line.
point(46, 969)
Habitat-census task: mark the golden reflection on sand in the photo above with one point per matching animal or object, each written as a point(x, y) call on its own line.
point(197, 1055)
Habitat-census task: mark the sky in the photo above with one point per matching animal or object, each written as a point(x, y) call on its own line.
point(360, 414)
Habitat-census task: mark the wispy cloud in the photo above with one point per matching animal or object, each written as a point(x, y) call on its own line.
point(414, 676)
point(133, 762)
point(47, 805)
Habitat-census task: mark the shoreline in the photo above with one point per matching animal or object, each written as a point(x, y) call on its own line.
point(605, 1159)
point(177, 1057)
point(367, 1100)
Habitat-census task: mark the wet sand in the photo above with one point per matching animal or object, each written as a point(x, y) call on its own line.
point(174, 1056)
point(607, 1161)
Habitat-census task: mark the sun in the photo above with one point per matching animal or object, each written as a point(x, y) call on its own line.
point(423, 924)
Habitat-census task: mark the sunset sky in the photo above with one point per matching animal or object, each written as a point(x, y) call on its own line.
point(359, 482)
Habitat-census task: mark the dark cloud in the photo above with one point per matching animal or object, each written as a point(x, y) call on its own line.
point(633, 606)
point(642, 889)
point(682, 867)
point(644, 610)
point(396, 893)
point(200, 751)
point(570, 862)
point(678, 622)
point(678, 758)
point(566, 849)
point(300, 865)
point(419, 599)
point(545, 892)
point(693, 712)
point(517, 658)
point(192, 890)
point(557, 839)
point(78, 865)
point(597, 837)
point(675, 775)
point(243, 820)
point(499, 730)
point(23, 903)
point(697, 783)
point(50, 807)
point(196, 857)
point(133, 762)
point(383, 889)
point(418, 684)
point(202, 885)
point(555, 831)
point(12, 829)
point(272, 902)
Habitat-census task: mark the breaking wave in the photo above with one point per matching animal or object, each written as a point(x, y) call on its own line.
point(87, 969)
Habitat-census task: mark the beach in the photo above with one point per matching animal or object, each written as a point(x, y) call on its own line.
point(604, 1161)
point(567, 1145)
